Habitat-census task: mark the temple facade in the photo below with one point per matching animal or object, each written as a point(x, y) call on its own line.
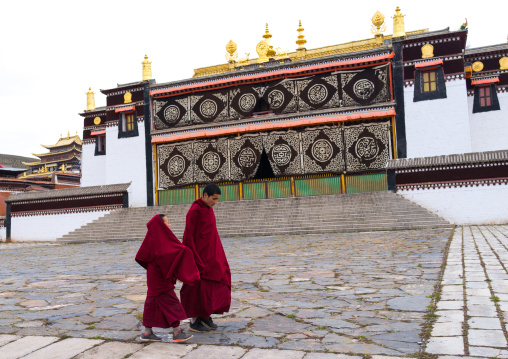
point(307, 122)
point(62, 164)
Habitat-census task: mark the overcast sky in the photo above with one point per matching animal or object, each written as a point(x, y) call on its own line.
point(52, 51)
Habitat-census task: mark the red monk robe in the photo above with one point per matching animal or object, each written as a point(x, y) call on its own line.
point(212, 294)
point(165, 260)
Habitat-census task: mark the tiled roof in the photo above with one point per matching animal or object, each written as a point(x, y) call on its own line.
point(448, 160)
point(69, 192)
point(483, 49)
point(65, 141)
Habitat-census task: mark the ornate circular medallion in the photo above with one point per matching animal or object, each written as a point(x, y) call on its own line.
point(363, 88)
point(247, 102)
point(322, 150)
point(97, 120)
point(172, 113)
point(210, 162)
point(366, 148)
point(281, 154)
point(176, 166)
point(477, 66)
point(208, 108)
point(275, 99)
point(317, 93)
point(247, 157)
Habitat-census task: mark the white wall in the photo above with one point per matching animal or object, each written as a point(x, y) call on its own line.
point(489, 130)
point(50, 227)
point(438, 127)
point(93, 168)
point(464, 205)
point(126, 162)
point(3, 234)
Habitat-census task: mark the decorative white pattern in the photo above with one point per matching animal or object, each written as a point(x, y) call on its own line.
point(208, 108)
point(322, 150)
point(317, 93)
point(247, 102)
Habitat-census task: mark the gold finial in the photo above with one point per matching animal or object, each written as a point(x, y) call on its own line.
point(90, 100)
point(147, 69)
point(267, 34)
point(398, 24)
point(127, 97)
point(503, 63)
point(68, 134)
point(427, 51)
point(231, 54)
point(301, 38)
point(62, 168)
point(477, 66)
point(378, 23)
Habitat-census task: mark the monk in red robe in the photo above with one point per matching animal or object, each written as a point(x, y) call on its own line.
point(165, 260)
point(212, 294)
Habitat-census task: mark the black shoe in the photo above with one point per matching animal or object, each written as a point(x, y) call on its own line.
point(181, 337)
point(149, 338)
point(198, 326)
point(209, 323)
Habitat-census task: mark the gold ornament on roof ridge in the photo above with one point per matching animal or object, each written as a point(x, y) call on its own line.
point(427, 51)
point(127, 97)
point(378, 23)
point(477, 66)
point(503, 63)
point(90, 100)
point(231, 54)
point(301, 37)
point(267, 34)
point(398, 24)
point(147, 69)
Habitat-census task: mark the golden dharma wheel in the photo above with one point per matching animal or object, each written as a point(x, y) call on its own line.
point(477, 66)
point(378, 19)
point(231, 47)
point(97, 120)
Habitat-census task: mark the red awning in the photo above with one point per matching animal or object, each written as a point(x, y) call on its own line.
point(123, 109)
point(492, 80)
point(429, 63)
point(96, 133)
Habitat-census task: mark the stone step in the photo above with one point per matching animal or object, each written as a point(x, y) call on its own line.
point(377, 211)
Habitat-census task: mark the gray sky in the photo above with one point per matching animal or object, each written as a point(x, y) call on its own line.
point(52, 51)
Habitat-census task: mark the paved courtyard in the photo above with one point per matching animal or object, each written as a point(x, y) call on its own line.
point(293, 297)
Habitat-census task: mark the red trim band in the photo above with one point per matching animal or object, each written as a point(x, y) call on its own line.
point(103, 132)
point(485, 81)
point(273, 126)
point(123, 109)
point(429, 63)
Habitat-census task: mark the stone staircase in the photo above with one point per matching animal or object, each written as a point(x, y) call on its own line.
point(359, 212)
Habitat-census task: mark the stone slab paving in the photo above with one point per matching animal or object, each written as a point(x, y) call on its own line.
point(473, 306)
point(349, 293)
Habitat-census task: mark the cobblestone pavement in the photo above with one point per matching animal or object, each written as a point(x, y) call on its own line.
point(293, 297)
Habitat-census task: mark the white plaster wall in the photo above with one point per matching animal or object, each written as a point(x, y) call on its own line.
point(464, 205)
point(438, 127)
point(50, 227)
point(126, 162)
point(489, 130)
point(93, 168)
point(3, 234)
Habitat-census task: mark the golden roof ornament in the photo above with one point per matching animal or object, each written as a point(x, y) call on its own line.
point(503, 63)
point(263, 48)
point(477, 66)
point(398, 24)
point(378, 24)
point(147, 69)
point(90, 100)
point(427, 51)
point(231, 54)
point(301, 38)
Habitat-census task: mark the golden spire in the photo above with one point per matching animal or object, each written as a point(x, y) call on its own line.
point(147, 69)
point(68, 134)
point(90, 100)
point(267, 36)
point(398, 24)
point(301, 38)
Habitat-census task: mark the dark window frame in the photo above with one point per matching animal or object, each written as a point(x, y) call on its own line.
point(122, 132)
point(494, 101)
point(439, 93)
point(98, 151)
